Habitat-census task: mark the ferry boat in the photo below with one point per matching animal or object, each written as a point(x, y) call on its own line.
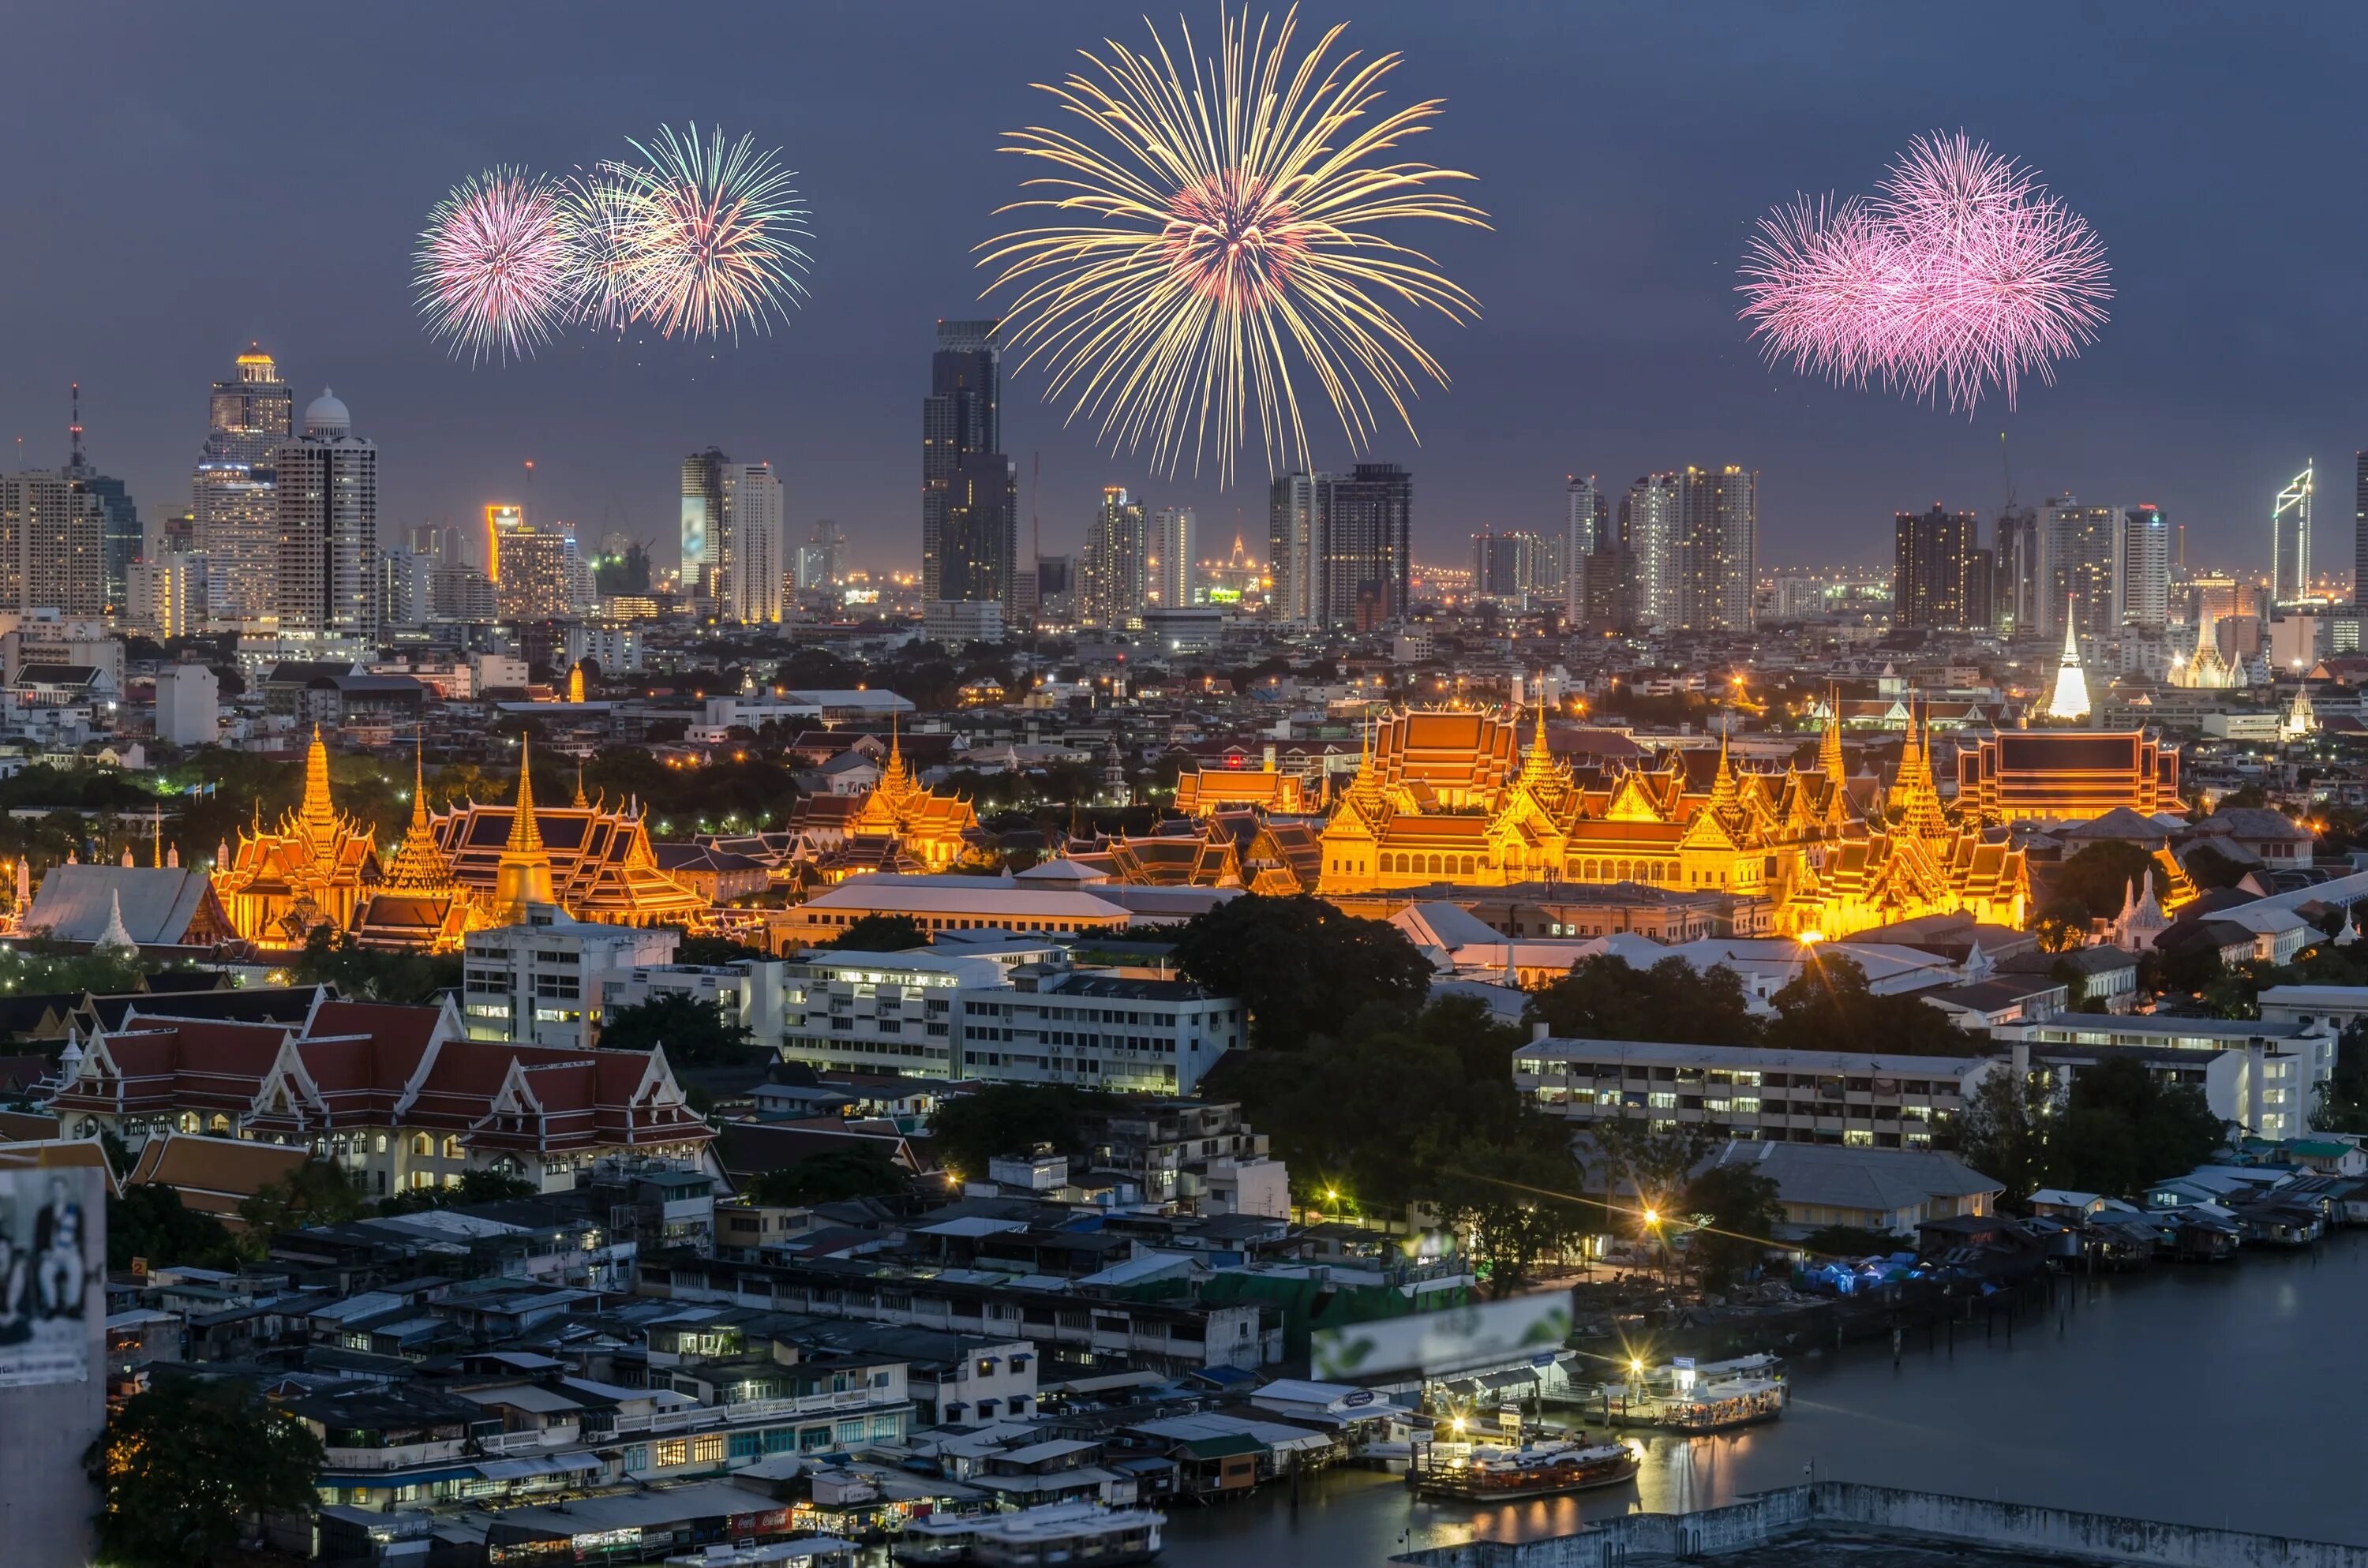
point(1489, 1474)
point(1721, 1407)
point(1055, 1535)
point(821, 1550)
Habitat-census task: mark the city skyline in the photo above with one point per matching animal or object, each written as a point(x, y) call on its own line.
point(2202, 419)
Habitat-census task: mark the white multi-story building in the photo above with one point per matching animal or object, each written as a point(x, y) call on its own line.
point(327, 494)
point(188, 706)
point(1650, 524)
point(750, 575)
point(157, 595)
point(750, 991)
point(546, 982)
point(1299, 509)
point(2260, 1073)
point(616, 649)
point(890, 1012)
point(1173, 559)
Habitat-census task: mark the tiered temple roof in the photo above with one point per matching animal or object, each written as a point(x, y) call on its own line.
point(311, 870)
point(420, 904)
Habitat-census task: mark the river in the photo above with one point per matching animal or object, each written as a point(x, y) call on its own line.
point(2205, 1395)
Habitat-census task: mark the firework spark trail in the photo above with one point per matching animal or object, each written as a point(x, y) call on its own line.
point(1961, 275)
point(1218, 224)
point(701, 236)
point(494, 264)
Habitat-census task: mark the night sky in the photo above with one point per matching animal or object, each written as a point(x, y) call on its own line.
point(185, 179)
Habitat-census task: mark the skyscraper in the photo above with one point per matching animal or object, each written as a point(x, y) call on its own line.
point(2019, 588)
point(1111, 569)
point(119, 520)
point(1299, 509)
point(1934, 578)
point(961, 417)
point(1583, 519)
point(1173, 557)
point(2290, 539)
point(1516, 568)
point(750, 584)
point(2080, 563)
point(539, 572)
point(52, 544)
point(1718, 547)
point(1648, 528)
point(2142, 587)
point(234, 508)
point(1368, 559)
point(702, 520)
point(326, 487)
point(821, 558)
point(978, 532)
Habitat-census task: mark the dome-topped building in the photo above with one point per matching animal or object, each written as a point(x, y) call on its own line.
point(326, 416)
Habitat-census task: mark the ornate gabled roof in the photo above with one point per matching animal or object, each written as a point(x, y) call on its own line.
point(419, 865)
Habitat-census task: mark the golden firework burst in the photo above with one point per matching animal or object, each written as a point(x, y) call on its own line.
point(1215, 233)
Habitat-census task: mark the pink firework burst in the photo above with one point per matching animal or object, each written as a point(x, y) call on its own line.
point(1962, 275)
point(495, 268)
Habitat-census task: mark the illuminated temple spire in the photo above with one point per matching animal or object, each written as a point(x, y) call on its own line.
point(419, 866)
point(1830, 761)
point(1539, 765)
point(1725, 794)
point(1918, 797)
point(523, 877)
point(316, 810)
point(2070, 700)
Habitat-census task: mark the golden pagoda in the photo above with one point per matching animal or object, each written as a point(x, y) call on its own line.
point(575, 682)
point(280, 884)
point(1440, 799)
point(420, 903)
point(592, 859)
point(928, 828)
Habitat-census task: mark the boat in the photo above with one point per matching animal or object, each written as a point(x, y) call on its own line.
point(815, 1548)
point(1055, 1535)
point(1724, 1406)
point(1489, 1474)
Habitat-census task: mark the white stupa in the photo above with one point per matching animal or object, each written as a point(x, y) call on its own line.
point(115, 940)
point(2071, 701)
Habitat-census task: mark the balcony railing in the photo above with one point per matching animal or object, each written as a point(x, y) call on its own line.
point(697, 1417)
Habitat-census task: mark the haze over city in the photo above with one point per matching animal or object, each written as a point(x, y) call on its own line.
point(267, 183)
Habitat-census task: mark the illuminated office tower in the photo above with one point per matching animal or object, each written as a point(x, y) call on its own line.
point(327, 491)
point(702, 520)
point(234, 508)
point(502, 520)
point(2290, 539)
point(961, 425)
point(250, 416)
point(750, 572)
point(538, 576)
point(1172, 566)
point(2142, 583)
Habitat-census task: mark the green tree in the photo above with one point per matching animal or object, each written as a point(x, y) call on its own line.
point(2208, 869)
point(1849, 1241)
point(2122, 1130)
point(366, 974)
point(715, 951)
point(315, 1193)
point(151, 1222)
point(834, 1177)
point(1606, 998)
point(1516, 1200)
point(2001, 1131)
point(1829, 1006)
point(1734, 1212)
point(475, 1187)
point(1011, 1119)
point(2061, 925)
point(1300, 965)
point(695, 1033)
point(880, 934)
point(181, 1468)
point(1645, 1171)
point(2099, 878)
point(2343, 1105)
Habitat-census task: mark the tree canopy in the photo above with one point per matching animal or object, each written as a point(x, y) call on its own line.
point(695, 1033)
point(151, 1222)
point(880, 934)
point(1606, 998)
point(1012, 1118)
point(1300, 965)
point(1829, 1006)
point(833, 1177)
point(179, 1468)
point(365, 974)
point(1736, 1212)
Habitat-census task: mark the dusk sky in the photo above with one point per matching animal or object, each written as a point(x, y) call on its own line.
point(186, 178)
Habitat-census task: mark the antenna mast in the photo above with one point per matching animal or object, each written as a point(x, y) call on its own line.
point(73, 428)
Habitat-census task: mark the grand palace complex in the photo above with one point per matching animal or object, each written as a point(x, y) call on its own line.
point(1442, 800)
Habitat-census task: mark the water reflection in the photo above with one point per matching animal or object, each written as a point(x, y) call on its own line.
point(2104, 1403)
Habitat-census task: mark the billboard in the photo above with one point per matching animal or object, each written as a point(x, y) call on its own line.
point(48, 1265)
point(1440, 1343)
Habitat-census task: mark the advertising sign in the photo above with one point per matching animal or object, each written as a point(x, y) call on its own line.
point(46, 1275)
point(1440, 1344)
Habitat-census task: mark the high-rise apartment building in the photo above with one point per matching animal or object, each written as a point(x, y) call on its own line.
point(2080, 559)
point(503, 519)
point(1299, 509)
point(750, 576)
point(1111, 567)
point(540, 571)
point(961, 418)
point(703, 521)
point(234, 508)
point(1938, 572)
point(2018, 587)
point(407, 594)
point(157, 595)
point(52, 545)
point(821, 559)
point(1718, 547)
point(2359, 529)
point(1517, 568)
point(1172, 563)
point(326, 484)
point(2142, 587)
point(1586, 518)
point(1368, 554)
point(1648, 530)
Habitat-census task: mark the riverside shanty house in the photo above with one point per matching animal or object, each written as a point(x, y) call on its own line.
point(396, 1096)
